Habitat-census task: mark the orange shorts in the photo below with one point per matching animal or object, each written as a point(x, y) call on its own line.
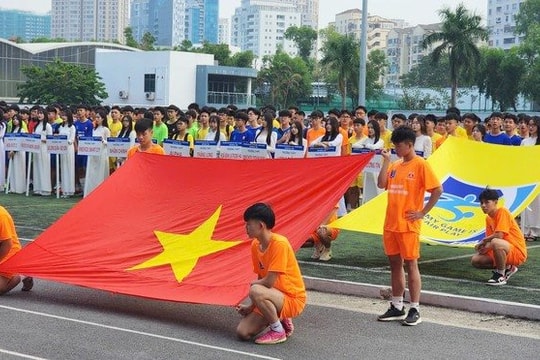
point(292, 307)
point(332, 234)
point(514, 257)
point(406, 244)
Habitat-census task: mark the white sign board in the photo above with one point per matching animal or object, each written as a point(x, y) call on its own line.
point(89, 145)
point(284, 151)
point(205, 149)
point(230, 150)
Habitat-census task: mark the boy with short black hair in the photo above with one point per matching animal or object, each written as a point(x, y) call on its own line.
point(406, 181)
point(144, 131)
point(503, 248)
point(279, 293)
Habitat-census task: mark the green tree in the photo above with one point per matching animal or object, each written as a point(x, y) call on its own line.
point(500, 76)
point(185, 45)
point(284, 79)
point(130, 40)
point(304, 37)
point(60, 82)
point(147, 42)
point(528, 26)
point(341, 60)
point(221, 52)
point(458, 37)
point(242, 59)
point(47, 40)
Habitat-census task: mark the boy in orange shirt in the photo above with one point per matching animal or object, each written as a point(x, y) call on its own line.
point(279, 293)
point(9, 246)
point(406, 181)
point(143, 129)
point(503, 248)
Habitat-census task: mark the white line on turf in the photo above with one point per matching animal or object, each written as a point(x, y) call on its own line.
point(24, 356)
point(219, 348)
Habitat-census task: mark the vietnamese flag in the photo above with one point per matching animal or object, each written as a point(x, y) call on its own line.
point(172, 228)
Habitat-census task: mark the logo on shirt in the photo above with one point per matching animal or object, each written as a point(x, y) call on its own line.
point(410, 175)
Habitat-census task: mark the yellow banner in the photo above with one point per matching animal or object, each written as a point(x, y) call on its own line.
point(465, 168)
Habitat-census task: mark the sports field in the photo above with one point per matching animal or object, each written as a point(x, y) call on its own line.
point(357, 257)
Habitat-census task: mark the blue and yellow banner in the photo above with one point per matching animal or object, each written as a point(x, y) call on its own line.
point(465, 168)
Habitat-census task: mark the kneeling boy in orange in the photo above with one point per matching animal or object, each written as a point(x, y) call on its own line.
point(503, 248)
point(9, 246)
point(279, 293)
point(143, 129)
point(322, 238)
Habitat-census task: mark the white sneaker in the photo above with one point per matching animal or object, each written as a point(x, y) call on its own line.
point(317, 251)
point(326, 254)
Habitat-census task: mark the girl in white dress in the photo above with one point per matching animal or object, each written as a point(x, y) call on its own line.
point(332, 137)
point(67, 161)
point(266, 134)
point(17, 163)
point(530, 217)
point(423, 143)
point(41, 162)
point(127, 131)
point(97, 168)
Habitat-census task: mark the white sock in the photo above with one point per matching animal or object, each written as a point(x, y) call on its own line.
point(277, 327)
point(501, 271)
point(415, 306)
point(397, 301)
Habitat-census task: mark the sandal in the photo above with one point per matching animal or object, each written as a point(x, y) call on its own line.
point(28, 283)
point(530, 238)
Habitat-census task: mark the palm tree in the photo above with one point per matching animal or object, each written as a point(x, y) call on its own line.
point(460, 31)
point(341, 54)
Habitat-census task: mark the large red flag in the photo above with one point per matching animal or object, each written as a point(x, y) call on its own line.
point(171, 228)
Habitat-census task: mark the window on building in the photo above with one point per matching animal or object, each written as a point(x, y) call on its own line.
point(149, 82)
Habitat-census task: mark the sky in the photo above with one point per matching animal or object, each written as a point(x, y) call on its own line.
point(412, 11)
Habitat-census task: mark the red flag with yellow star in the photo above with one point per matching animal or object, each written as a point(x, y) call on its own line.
point(172, 228)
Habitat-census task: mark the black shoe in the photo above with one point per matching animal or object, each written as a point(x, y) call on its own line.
point(413, 318)
point(497, 279)
point(392, 314)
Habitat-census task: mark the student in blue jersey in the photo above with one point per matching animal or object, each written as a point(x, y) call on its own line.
point(495, 135)
point(254, 121)
point(510, 129)
point(84, 128)
point(283, 132)
point(241, 134)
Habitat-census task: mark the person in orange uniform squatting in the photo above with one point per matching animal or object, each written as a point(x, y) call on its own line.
point(143, 129)
point(9, 246)
point(503, 249)
point(279, 293)
point(406, 181)
point(322, 237)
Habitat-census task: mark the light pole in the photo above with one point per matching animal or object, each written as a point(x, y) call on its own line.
point(363, 56)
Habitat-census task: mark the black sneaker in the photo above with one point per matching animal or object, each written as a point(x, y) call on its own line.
point(497, 279)
point(392, 314)
point(413, 318)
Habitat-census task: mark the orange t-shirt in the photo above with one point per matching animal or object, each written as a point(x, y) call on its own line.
point(279, 258)
point(345, 144)
point(313, 135)
point(154, 149)
point(8, 232)
point(504, 222)
point(407, 184)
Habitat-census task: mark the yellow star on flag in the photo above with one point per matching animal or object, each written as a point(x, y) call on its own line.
point(183, 251)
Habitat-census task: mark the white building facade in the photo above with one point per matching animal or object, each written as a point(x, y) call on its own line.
point(89, 20)
point(224, 31)
point(160, 78)
point(404, 50)
point(501, 23)
point(260, 25)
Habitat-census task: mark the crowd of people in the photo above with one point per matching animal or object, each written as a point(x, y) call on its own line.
point(412, 138)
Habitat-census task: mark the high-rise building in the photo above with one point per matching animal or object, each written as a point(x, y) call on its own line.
point(24, 25)
point(260, 25)
point(89, 20)
point(501, 23)
point(224, 31)
point(404, 50)
point(173, 21)
point(349, 22)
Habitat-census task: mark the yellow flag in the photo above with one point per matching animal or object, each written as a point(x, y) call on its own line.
point(465, 168)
